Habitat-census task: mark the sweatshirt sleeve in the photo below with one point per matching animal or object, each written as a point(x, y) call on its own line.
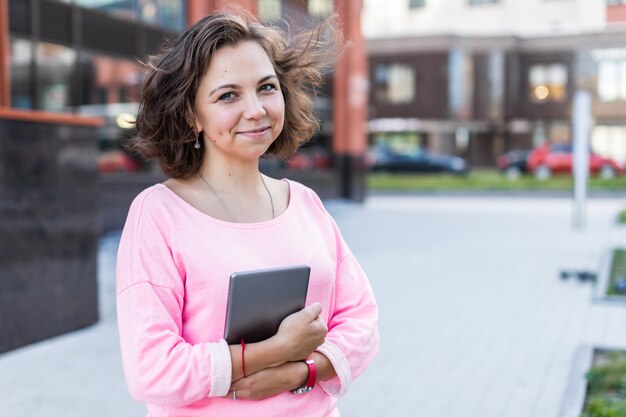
point(160, 366)
point(352, 339)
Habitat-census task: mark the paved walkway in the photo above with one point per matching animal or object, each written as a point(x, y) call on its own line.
point(474, 319)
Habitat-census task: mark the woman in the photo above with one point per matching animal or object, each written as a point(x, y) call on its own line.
point(225, 93)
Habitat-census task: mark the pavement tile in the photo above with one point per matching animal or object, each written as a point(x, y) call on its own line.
point(474, 320)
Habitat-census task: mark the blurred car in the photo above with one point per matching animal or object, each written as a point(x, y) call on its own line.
point(546, 160)
point(309, 158)
point(116, 161)
point(383, 158)
point(514, 162)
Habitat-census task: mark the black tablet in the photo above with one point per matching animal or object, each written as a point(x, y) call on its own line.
point(259, 300)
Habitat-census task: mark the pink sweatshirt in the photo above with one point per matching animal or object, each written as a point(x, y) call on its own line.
point(173, 269)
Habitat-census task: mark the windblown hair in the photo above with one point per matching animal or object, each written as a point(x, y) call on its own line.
point(165, 122)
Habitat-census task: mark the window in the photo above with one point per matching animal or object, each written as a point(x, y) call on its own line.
point(395, 83)
point(547, 83)
point(270, 10)
point(56, 67)
point(609, 141)
point(169, 14)
point(21, 73)
point(615, 2)
point(108, 80)
point(320, 8)
point(118, 8)
point(471, 2)
point(414, 4)
point(612, 80)
point(110, 90)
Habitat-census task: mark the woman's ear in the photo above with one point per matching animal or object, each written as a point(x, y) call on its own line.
point(197, 124)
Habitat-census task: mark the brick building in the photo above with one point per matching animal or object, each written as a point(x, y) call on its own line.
point(479, 77)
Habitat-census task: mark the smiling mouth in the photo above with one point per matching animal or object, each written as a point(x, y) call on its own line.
point(255, 131)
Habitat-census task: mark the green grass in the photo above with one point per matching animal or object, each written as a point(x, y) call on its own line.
point(621, 217)
point(487, 180)
point(606, 385)
point(618, 270)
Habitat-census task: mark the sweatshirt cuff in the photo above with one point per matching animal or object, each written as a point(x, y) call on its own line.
point(339, 385)
point(221, 368)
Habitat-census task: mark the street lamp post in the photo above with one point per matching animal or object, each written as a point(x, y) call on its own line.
point(582, 122)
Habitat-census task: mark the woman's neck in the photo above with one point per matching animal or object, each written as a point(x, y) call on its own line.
point(232, 177)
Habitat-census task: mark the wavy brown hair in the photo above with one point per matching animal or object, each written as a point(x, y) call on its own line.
point(165, 122)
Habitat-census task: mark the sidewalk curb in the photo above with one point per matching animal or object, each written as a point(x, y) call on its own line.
point(600, 289)
point(574, 394)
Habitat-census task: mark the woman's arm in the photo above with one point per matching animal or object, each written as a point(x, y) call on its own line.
point(298, 335)
point(352, 339)
point(277, 380)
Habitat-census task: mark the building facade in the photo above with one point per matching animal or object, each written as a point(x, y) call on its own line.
point(84, 57)
point(479, 82)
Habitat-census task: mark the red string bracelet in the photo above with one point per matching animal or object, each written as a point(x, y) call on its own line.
point(243, 360)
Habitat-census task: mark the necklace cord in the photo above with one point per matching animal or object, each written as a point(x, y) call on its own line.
point(269, 194)
point(223, 203)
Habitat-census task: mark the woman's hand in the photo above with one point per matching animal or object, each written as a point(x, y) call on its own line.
point(298, 336)
point(301, 333)
point(270, 381)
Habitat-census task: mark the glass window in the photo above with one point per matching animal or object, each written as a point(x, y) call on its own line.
point(123, 8)
point(548, 83)
point(413, 4)
point(610, 141)
point(320, 7)
point(395, 83)
point(21, 73)
point(612, 80)
point(270, 10)
point(106, 80)
point(110, 90)
point(56, 66)
point(607, 80)
point(169, 14)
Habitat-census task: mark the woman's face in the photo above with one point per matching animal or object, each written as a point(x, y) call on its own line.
point(239, 105)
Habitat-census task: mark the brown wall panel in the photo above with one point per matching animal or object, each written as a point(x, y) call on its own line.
point(431, 87)
point(519, 102)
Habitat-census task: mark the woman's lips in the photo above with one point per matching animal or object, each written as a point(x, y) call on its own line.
point(255, 132)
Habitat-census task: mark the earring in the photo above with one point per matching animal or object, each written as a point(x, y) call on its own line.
point(197, 135)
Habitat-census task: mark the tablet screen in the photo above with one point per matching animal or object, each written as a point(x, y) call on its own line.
point(259, 300)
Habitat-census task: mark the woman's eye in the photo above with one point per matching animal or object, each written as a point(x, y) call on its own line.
point(268, 87)
point(227, 96)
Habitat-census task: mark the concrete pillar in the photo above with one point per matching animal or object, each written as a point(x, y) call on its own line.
point(5, 56)
point(197, 9)
point(350, 103)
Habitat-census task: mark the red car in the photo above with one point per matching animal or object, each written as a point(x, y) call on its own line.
point(116, 161)
point(558, 158)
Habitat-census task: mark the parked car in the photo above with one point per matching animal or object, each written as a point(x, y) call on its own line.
point(383, 158)
point(514, 162)
point(546, 160)
point(116, 161)
point(309, 159)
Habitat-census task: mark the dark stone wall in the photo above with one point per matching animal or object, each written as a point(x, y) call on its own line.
point(48, 230)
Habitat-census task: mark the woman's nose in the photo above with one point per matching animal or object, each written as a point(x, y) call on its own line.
point(254, 108)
